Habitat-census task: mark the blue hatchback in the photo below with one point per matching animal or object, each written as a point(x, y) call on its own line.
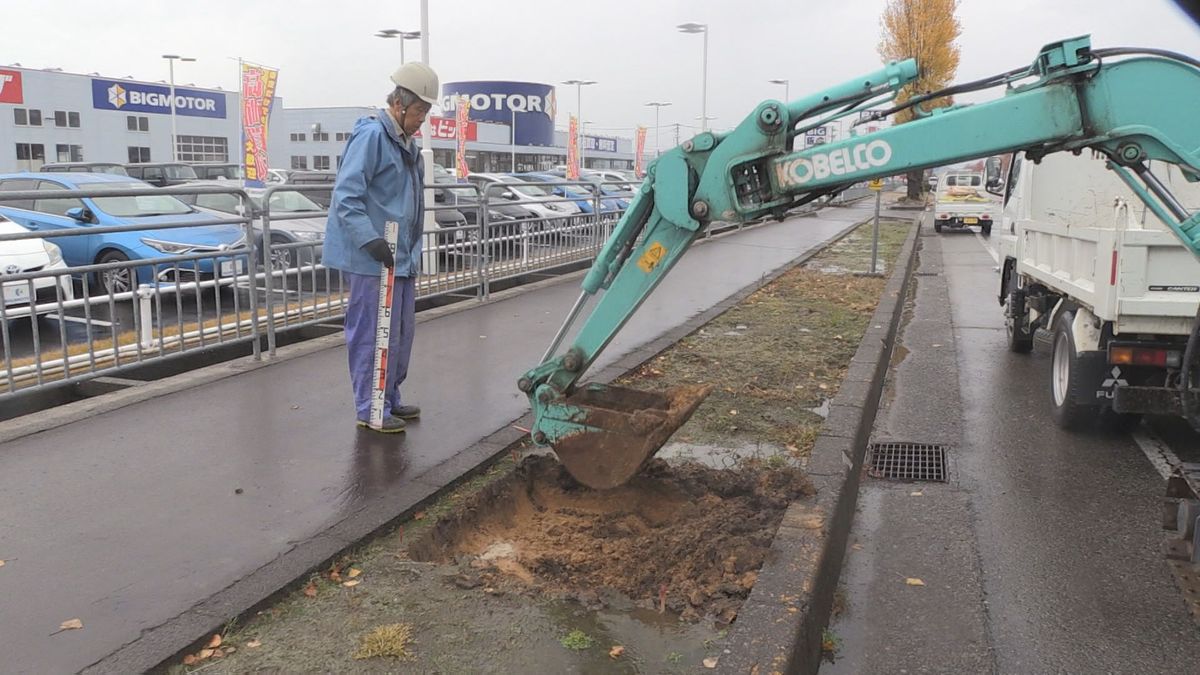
point(148, 210)
point(582, 196)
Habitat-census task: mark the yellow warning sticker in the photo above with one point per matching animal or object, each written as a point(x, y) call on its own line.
point(650, 259)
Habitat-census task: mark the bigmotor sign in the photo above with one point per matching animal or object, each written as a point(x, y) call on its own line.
point(534, 105)
point(152, 98)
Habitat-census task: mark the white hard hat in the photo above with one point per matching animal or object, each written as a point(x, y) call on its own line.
point(419, 79)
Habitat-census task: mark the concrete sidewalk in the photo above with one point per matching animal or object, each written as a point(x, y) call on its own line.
point(139, 516)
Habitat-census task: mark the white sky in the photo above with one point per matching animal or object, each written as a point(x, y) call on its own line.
point(327, 54)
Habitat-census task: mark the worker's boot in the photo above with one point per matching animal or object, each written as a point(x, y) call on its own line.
point(391, 425)
point(406, 412)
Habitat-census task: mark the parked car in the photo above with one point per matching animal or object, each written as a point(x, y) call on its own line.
point(931, 182)
point(51, 213)
point(284, 230)
point(162, 174)
point(217, 171)
point(85, 167)
point(583, 197)
point(627, 182)
point(504, 219)
point(31, 255)
point(622, 197)
point(516, 191)
point(318, 178)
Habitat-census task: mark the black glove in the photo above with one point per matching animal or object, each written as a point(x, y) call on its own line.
point(380, 251)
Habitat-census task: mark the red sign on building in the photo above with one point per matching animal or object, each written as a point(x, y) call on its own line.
point(443, 129)
point(10, 87)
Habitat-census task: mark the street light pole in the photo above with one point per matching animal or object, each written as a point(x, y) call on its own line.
point(512, 131)
point(658, 106)
point(579, 85)
point(174, 135)
point(786, 86)
point(701, 28)
point(402, 35)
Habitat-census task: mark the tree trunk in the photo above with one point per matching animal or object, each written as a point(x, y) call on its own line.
point(916, 183)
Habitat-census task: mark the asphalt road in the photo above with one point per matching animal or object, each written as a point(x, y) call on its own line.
point(1041, 553)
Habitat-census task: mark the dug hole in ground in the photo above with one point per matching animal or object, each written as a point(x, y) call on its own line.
point(521, 567)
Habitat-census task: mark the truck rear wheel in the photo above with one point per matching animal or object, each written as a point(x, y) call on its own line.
point(1066, 379)
point(937, 225)
point(987, 229)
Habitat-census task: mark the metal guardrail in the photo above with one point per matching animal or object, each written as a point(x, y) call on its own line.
point(273, 280)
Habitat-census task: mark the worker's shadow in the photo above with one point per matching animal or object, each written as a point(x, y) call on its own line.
point(380, 463)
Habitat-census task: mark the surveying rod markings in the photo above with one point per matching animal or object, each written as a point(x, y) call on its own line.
point(383, 328)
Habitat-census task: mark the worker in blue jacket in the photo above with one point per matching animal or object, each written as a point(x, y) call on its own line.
point(380, 180)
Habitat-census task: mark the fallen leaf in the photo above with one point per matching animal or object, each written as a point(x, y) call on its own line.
point(918, 493)
point(482, 337)
point(1, 563)
point(733, 412)
point(616, 651)
point(218, 654)
point(295, 407)
point(204, 654)
point(189, 660)
point(419, 515)
point(214, 642)
point(710, 662)
point(913, 581)
point(254, 644)
point(311, 590)
point(354, 571)
point(856, 547)
point(231, 649)
point(352, 583)
point(335, 576)
point(936, 345)
point(822, 386)
point(71, 624)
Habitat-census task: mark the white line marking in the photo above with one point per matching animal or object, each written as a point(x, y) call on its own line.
point(1161, 457)
point(988, 247)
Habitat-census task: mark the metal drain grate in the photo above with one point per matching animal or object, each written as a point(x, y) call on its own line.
point(908, 461)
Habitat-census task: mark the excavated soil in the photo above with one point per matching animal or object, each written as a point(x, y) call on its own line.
point(682, 538)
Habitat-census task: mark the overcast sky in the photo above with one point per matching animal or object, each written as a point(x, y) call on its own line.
point(327, 54)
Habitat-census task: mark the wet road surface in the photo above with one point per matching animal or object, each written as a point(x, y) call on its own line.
point(1041, 554)
point(130, 518)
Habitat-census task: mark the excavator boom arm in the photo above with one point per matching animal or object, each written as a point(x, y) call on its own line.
point(1070, 98)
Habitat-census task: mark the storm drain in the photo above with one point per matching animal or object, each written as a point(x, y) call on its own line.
point(908, 461)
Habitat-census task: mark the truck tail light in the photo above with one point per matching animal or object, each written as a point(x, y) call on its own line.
point(943, 216)
point(1143, 356)
point(985, 217)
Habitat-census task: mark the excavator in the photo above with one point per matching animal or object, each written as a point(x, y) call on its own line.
point(1133, 105)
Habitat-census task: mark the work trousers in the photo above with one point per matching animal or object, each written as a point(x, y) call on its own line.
point(361, 316)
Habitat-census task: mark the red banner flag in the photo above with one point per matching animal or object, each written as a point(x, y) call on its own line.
point(573, 149)
point(462, 116)
point(638, 167)
point(258, 92)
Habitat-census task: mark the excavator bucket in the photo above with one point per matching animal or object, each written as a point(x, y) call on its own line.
point(627, 427)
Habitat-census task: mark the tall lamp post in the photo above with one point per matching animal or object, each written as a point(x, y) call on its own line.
point(785, 84)
point(658, 106)
point(171, 58)
point(402, 35)
point(579, 85)
point(700, 28)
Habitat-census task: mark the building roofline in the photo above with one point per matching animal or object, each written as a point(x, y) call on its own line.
point(117, 79)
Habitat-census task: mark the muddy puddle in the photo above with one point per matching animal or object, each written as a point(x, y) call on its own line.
point(681, 538)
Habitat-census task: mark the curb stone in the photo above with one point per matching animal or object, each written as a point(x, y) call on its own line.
point(780, 626)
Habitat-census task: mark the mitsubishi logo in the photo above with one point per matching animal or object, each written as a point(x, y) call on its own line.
point(116, 96)
point(1116, 379)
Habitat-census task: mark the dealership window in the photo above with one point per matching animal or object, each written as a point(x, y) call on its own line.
point(342, 136)
point(73, 120)
point(299, 162)
point(30, 156)
point(35, 118)
point(320, 136)
point(299, 138)
point(20, 117)
point(69, 153)
point(137, 123)
point(60, 118)
point(138, 155)
point(203, 149)
point(321, 162)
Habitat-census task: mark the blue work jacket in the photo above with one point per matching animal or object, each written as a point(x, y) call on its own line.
point(380, 180)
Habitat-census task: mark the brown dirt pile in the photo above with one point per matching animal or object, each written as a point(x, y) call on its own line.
point(686, 538)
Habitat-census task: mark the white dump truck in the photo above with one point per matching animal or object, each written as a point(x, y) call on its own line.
point(1084, 260)
point(961, 201)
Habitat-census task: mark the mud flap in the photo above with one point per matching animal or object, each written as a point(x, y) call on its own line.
point(620, 429)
